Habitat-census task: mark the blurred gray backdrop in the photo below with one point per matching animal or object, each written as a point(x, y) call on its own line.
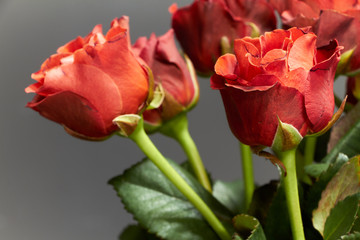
point(54, 186)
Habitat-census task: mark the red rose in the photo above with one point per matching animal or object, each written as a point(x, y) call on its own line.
point(338, 19)
point(200, 26)
point(169, 70)
point(90, 81)
point(279, 76)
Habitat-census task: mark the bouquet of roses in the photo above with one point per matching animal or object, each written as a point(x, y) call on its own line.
point(274, 64)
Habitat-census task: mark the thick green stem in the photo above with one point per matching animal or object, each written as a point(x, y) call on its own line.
point(177, 128)
point(145, 144)
point(309, 156)
point(248, 173)
point(309, 152)
point(292, 194)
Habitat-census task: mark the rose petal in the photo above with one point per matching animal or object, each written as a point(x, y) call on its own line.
point(248, 57)
point(319, 98)
point(260, 82)
point(175, 75)
point(81, 80)
point(297, 79)
point(253, 116)
point(339, 26)
point(118, 62)
point(259, 12)
point(74, 112)
point(273, 40)
point(226, 65)
point(302, 53)
point(200, 27)
point(217, 82)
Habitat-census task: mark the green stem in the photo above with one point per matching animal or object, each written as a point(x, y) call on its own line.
point(292, 193)
point(145, 144)
point(248, 173)
point(309, 152)
point(177, 128)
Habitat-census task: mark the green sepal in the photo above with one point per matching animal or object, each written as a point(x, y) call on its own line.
point(127, 123)
point(286, 138)
point(158, 97)
point(344, 61)
point(194, 80)
point(225, 45)
point(255, 31)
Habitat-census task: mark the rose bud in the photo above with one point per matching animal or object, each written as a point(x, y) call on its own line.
point(89, 82)
point(171, 74)
point(279, 79)
point(200, 27)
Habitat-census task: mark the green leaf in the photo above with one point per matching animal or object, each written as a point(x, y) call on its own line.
point(135, 232)
point(161, 208)
point(187, 166)
point(314, 193)
point(349, 144)
point(277, 223)
point(248, 227)
point(341, 218)
point(231, 195)
point(343, 126)
point(352, 236)
point(316, 169)
point(356, 226)
point(345, 183)
point(262, 199)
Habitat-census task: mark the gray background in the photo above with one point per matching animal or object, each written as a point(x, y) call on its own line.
point(54, 186)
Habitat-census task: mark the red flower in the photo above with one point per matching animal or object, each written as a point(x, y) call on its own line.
point(200, 26)
point(338, 19)
point(169, 70)
point(281, 75)
point(90, 81)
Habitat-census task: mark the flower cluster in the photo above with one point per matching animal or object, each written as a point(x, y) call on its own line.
point(277, 88)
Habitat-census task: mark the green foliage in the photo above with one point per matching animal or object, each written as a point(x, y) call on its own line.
point(231, 195)
point(345, 183)
point(135, 232)
point(349, 144)
point(316, 169)
point(314, 194)
point(341, 218)
point(262, 199)
point(161, 208)
point(248, 228)
point(352, 236)
point(277, 223)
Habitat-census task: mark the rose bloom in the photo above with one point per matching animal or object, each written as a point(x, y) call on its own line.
point(200, 26)
point(339, 19)
point(89, 82)
point(171, 71)
point(278, 76)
